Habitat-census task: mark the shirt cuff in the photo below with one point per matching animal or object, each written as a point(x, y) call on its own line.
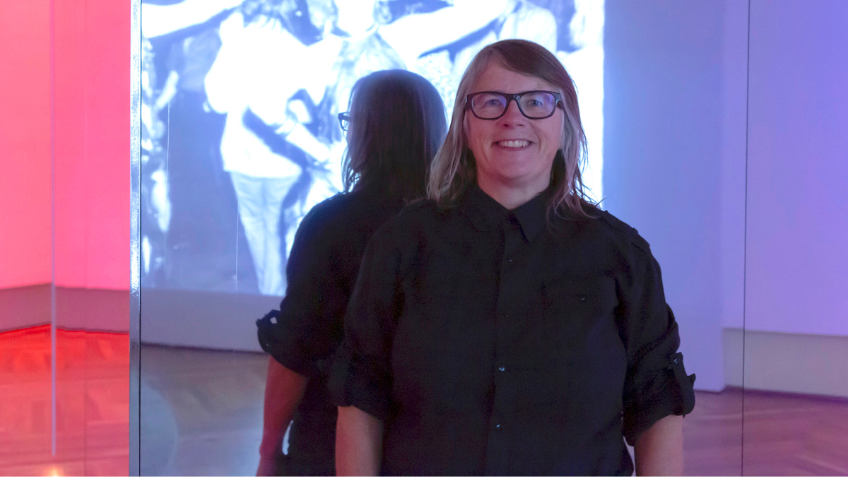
point(269, 333)
point(675, 396)
point(353, 382)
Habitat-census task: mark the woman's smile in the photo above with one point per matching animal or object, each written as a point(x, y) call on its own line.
point(513, 144)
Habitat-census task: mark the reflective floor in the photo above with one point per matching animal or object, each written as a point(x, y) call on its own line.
point(92, 403)
point(202, 414)
point(215, 399)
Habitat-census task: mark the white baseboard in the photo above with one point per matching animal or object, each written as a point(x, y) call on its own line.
point(198, 319)
point(786, 362)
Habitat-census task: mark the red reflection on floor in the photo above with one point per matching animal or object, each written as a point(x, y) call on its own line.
point(92, 403)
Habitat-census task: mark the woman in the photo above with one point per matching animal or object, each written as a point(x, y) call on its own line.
point(396, 124)
point(507, 326)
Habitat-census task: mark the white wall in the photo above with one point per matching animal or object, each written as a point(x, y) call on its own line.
point(734, 100)
point(678, 127)
point(797, 250)
point(663, 155)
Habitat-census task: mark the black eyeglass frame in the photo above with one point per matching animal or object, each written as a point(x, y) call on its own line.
point(513, 96)
point(344, 119)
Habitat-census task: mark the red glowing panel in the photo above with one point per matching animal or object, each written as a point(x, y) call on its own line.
point(25, 234)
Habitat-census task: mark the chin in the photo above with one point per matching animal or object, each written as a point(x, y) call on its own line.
point(519, 180)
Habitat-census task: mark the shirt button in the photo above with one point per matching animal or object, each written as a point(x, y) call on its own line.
point(497, 427)
point(502, 369)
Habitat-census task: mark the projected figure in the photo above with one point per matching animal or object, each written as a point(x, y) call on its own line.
point(585, 61)
point(176, 132)
point(520, 19)
point(366, 38)
point(156, 209)
point(265, 147)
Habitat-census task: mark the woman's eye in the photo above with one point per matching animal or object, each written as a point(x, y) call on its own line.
point(534, 101)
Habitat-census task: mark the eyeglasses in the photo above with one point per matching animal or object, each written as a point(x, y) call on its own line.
point(344, 120)
point(492, 105)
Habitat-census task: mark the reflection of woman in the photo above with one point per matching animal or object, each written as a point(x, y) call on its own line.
point(397, 122)
point(507, 326)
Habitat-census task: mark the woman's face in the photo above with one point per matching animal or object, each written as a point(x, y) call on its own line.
point(512, 151)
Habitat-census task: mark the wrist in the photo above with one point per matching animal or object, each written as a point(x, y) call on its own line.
point(270, 446)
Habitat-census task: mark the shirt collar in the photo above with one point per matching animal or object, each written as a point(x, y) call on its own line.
point(486, 213)
point(533, 215)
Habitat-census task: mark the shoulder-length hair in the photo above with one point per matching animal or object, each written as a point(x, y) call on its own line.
point(397, 123)
point(453, 168)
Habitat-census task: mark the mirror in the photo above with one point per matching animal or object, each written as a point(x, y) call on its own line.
point(662, 89)
point(796, 350)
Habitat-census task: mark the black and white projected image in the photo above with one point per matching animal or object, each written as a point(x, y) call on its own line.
point(240, 99)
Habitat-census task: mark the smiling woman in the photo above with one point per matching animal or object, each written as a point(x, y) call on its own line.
point(556, 133)
point(507, 325)
point(513, 152)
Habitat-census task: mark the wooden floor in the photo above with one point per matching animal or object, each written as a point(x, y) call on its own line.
point(92, 403)
point(202, 411)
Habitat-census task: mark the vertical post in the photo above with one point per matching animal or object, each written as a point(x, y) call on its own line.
point(53, 323)
point(135, 224)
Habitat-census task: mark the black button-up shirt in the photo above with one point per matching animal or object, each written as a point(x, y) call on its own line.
point(496, 342)
point(321, 272)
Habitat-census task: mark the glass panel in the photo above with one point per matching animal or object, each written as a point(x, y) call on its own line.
point(63, 298)
point(662, 93)
point(796, 335)
point(90, 217)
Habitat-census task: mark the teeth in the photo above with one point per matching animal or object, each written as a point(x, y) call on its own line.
point(514, 143)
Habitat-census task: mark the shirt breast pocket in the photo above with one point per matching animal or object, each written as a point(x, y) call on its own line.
point(579, 317)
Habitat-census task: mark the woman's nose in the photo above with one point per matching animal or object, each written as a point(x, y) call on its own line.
point(512, 116)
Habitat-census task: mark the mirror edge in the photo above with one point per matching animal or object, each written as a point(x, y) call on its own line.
point(135, 209)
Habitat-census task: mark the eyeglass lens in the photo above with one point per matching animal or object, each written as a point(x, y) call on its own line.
point(344, 120)
point(533, 104)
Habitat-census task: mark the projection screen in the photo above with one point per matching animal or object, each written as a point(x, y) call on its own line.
point(223, 191)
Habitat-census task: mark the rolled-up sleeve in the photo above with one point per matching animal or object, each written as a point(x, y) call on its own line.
point(656, 385)
point(307, 329)
point(360, 374)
